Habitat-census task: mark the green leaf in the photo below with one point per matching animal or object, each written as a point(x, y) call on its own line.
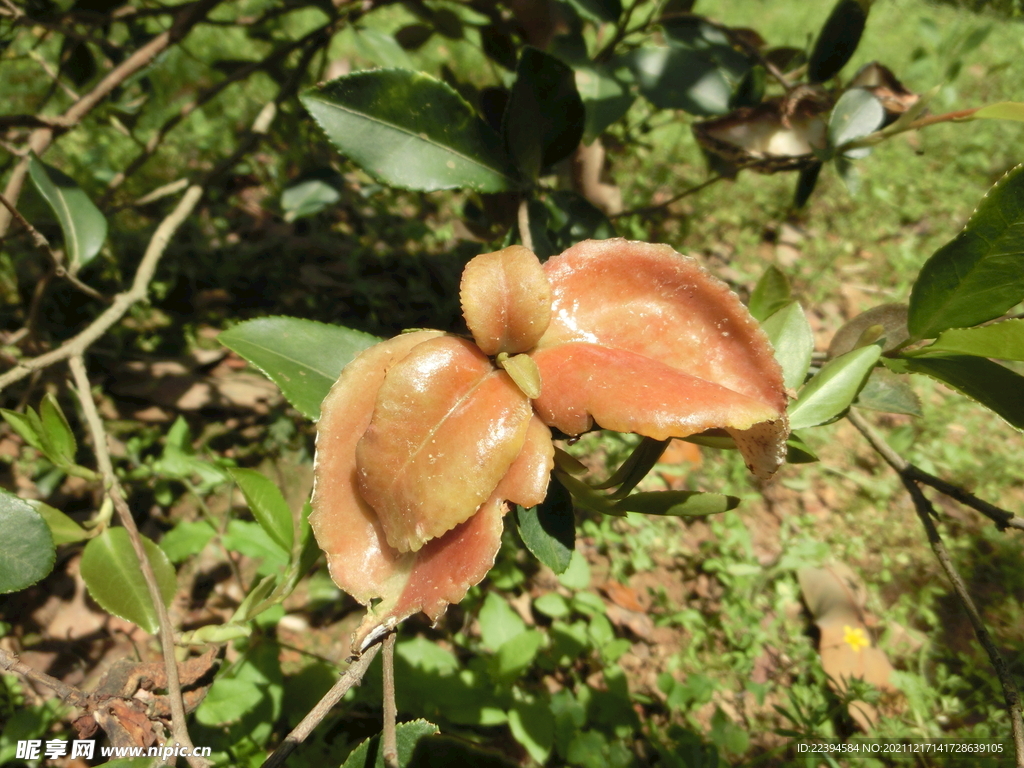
point(577, 575)
point(27, 425)
point(1003, 341)
point(888, 393)
point(186, 539)
point(574, 218)
point(369, 754)
point(635, 468)
point(267, 504)
point(793, 340)
point(544, 118)
point(833, 388)
point(408, 130)
point(498, 622)
point(979, 274)
point(533, 727)
point(994, 386)
point(84, 227)
point(838, 39)
point(680, 78)
point(28, 551)
point(1004, 110)
point(252, 540)
point(856, 114)
point(515, 656)
point(889, 320)
point(57, 433)
point(598, 10)
point(798, 451)
point(805, 184)
point(114, 577)
point(552, 604)
point(307, 198)
point(771, 294)
point(549, 529)
point(381, 48)
point(63, 529)
point(304, 358)
point(605, 98)
point(678, 503)
point(228, 700)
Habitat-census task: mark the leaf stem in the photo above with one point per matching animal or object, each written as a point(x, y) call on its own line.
point(390, 739)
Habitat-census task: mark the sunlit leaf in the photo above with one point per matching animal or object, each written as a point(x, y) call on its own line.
point(994, 386)
point(28, 549)
point(833, 388)
point(855, 115)
point(304, 358)
point(381, 48)
point(793, 340)
point(267, 504)
point(680, 78)
point(114, 577)
point(27, 425)
point(549, 529)
point(771, 294)
point(979, 274)
point(185, 539)
point(63, 529)
point(84, 227)
point(307, 198)
point(57, 433)
point(410, 131)
point(532, 727)
point(1004, 110)
point(1003, 341)
point(605, 98)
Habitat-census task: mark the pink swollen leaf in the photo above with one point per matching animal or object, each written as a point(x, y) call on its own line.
point(660, 348)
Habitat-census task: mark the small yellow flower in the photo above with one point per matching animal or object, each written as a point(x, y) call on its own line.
point(856, 638)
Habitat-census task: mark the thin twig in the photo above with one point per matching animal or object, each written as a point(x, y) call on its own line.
point(41, 138)
point(70, 92)
point(675, 199)
point(121, 303)
point(352, 677)
point(68, 693)
point(1011, 695)
point(389, 738)
point(179, 727)
point(1001, 517)
point(524, 225)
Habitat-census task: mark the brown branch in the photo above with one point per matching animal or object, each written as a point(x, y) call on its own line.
point(121, 303)
point(353, 676)
point(68, 693)
point(1011, 695)
point(41, 138)
point(179, 727)
point(35, 121)
point(1001, 517)
point(389, 738)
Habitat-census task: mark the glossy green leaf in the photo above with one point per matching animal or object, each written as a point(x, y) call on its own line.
point(855, 115)
point(84, 227)
point(28, 550)
point(838, 39)
point(549, 529)
point(114, 577)
point(979, 274)
point(63, 529)
point(598, 10)
point(307, 198)
point(408, 130)
point(304, 358)
point(996, 387)
point(678, 503)
point(186, 539)
point(887, 392)
point(369, 754)
point(605, 98)
point(833, 388)
point(27, 425)
point(1004, 110)
point(267, 504)
point(771, 294)
point(1003, 341)
point(57, 432)
point(544, 118)
point(680, 78)
point(793, 340)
